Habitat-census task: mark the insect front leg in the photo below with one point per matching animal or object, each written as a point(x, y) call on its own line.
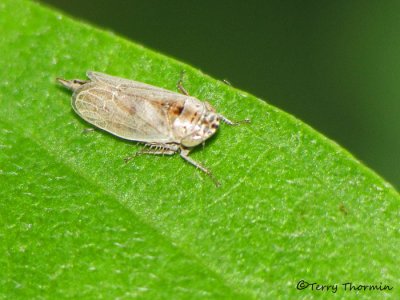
point(185, 155)
point(156, 149)
point(180, 87)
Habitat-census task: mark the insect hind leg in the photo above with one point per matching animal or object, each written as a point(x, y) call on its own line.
point(155, 149)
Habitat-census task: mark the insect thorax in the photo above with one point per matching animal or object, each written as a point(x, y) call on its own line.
point(196, 122)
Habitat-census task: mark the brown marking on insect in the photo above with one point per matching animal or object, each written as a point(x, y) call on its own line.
point(194, 116)
point(190, 115)
point(175, 109)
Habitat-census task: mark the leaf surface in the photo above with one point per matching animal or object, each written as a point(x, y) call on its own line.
point(76, 221)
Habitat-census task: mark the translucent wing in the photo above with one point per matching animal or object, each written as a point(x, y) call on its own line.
point(128, 109)
point(124, 83)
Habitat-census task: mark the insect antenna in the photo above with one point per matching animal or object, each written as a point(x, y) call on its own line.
point(233, 123)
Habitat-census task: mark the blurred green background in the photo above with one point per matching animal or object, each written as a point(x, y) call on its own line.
point(335, 65)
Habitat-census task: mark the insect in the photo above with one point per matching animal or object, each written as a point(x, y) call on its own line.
point(166, 121)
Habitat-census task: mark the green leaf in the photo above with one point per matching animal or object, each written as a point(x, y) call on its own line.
point(76, 221)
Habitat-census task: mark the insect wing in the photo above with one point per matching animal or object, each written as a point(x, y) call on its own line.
point(125, 83)
point(128, 112)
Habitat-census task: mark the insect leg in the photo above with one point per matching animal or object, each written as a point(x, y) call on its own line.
point(233, 123)
point(160, 146)
point(155, 149)
point(180, 87)
point(185, 155)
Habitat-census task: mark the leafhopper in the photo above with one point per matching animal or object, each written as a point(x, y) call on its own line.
point(166, 121)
